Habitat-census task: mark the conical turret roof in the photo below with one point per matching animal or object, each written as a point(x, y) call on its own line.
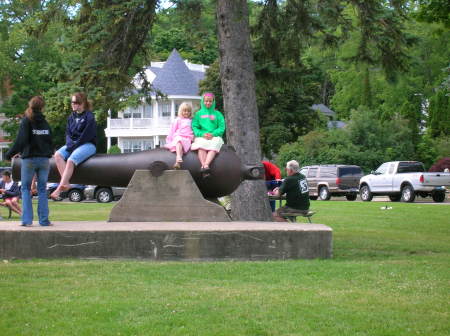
point(175, 78)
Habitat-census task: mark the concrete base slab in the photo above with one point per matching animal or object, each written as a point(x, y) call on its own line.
point(172, 196)
point(167, 240)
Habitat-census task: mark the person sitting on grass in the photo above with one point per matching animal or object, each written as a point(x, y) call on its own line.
point(296, 189)
point(10, 192)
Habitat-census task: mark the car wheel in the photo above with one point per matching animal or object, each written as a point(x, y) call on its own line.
point(324, 194)
point(408, 194)
point(75, 195)
point(365, 193)
point(104, 195)
point(438, 196)
point(350, 197)
point(395, 198)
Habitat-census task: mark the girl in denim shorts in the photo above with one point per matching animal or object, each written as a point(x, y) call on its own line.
point(81, 139)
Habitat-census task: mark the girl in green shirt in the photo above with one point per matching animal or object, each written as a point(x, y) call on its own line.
point(208, 126)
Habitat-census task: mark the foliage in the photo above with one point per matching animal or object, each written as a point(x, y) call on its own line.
point(340, 53)
point(114, 150)
point(189, 27)
point(441, 165)
point(211, 83)
point(434, 11)
point(439, 114)
point(59, 47)
point(366, 141)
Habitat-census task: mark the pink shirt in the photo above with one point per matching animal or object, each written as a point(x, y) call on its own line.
point(182, 127)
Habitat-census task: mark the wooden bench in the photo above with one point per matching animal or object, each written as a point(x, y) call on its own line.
point(292, 216)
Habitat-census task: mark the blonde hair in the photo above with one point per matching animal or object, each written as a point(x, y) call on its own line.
point(183, 106)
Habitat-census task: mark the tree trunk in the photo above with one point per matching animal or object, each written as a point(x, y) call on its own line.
point(249, 201)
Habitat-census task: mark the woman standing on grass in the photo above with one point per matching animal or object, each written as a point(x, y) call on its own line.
point(34, 144)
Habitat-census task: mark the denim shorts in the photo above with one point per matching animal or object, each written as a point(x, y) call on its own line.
point(80, 154)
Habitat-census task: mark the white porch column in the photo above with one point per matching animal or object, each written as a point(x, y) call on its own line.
point(156, 113)
point(108, 143)
point(172, 110)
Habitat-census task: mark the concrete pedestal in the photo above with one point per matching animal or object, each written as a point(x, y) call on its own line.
point(167, 240)
point(171, 197)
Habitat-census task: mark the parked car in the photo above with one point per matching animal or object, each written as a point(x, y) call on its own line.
point(325, 181)
point(74, 194)
point(103, 194)
point(404, 180)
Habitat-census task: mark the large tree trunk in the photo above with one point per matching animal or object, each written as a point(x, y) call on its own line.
point(249, 201)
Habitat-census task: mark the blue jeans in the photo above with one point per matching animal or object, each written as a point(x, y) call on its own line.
point(31, 166)
point(80, 154)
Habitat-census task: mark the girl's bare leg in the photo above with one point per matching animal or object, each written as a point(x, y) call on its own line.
point(60, 163)
point(209, 157)
point(202, 157)
point(179, 158)
point(179, 151)
point(13, 206)
point(64, 184)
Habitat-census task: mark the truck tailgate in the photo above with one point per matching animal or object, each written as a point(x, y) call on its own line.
point(436, 179)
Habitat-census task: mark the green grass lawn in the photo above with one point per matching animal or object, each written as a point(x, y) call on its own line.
point(390, 275)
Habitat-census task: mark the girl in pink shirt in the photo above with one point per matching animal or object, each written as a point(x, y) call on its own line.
point(180, 135)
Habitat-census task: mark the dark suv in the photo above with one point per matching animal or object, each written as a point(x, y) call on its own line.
point(325, 181)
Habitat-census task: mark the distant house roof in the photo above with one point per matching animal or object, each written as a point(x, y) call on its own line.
point(336, 124)
point(324, 109)
point(175, 78)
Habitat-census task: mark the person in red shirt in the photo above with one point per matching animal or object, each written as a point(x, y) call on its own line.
point(273, 176)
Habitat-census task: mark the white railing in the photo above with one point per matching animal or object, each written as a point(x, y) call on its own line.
point(119, 123)
point(139, 123)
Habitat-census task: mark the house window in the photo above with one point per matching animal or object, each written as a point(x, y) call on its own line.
point(164, 110)
point(133, 112)
point(148, 111)
point(147, 144)
point(126, 146)
point(137, 145)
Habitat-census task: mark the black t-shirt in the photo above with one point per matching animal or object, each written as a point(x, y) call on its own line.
point(297, 193)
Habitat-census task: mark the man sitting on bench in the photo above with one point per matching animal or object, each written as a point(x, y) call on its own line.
point(295, 187)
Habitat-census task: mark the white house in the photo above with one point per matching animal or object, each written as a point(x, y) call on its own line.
point(147, 126)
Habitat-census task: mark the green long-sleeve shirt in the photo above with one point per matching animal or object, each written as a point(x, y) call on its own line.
point(207, 122)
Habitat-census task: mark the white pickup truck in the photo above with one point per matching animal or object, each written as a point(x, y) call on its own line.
point(403, 180)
